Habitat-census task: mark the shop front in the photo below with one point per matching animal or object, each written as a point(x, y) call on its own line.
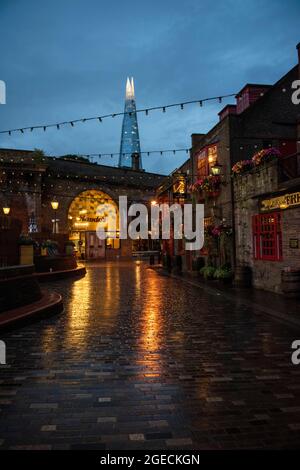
point(267, 230)
point(90, 213)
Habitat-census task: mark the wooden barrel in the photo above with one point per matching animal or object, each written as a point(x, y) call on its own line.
point(243, 276)
point(290, 283)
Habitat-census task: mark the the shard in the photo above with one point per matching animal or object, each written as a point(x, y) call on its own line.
point(130, 141)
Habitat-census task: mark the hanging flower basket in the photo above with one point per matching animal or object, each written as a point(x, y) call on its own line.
point(242, 167)
point(208, 186)
point(265, 155)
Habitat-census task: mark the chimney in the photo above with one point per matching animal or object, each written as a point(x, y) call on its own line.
point(229, 109)
point(248, 95)
point(135, 161)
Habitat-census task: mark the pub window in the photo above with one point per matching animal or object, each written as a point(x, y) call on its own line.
point(206, 158)
point(202, 165)
point(267, 236)
point(212, 155)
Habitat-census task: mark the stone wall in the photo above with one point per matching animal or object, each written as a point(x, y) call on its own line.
point(248, 189)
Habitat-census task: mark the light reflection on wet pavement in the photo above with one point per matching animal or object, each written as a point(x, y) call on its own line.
point(143, 361)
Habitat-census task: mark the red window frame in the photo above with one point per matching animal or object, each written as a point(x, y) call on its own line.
point(267, 236)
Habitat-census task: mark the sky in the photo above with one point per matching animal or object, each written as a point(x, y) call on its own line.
point(69, 59)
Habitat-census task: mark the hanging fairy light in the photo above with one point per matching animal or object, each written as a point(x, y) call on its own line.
point(99, 118)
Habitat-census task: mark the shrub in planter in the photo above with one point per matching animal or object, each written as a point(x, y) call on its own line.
point(26, 244)
point(223, 274)
point(26, 240)
point(207, 272)
point(51, 247)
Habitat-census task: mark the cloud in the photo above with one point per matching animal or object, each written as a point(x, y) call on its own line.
point(66, 60)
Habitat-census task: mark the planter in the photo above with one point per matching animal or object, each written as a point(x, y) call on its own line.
point(227, 281)
point(44, 264)
point(290, 283)
point(243, 276)
point(26, 254)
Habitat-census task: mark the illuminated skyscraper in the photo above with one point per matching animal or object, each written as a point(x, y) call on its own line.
point(130, 141)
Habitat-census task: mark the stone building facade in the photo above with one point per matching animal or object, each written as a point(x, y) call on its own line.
point(263, 116)
point(267, 223)
point(30, 182)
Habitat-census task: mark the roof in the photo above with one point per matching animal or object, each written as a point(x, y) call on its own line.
point(67, 167)
point(253, 85)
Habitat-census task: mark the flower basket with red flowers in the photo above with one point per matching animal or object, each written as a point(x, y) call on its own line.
point(265, 155)
point(242, 166)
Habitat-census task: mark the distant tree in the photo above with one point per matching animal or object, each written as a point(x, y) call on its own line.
point(38, 155)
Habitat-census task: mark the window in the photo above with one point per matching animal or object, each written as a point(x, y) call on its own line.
point(267, 237)
point(202, 167)
point(206, 158)
point(212, 154)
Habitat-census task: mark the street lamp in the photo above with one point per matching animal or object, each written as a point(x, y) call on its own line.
point(6, 210)
point(216, 169)
point(153, 203)
point(54, 205)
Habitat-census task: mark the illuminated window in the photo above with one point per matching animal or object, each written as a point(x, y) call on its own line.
point(202, 165)
point(267, 236)
point(212, 155)
point(206, 158)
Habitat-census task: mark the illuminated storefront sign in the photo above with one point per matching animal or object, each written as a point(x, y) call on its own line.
point(281, 202)
point(179, 187)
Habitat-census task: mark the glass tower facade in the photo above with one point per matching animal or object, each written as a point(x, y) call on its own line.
point(130, 141)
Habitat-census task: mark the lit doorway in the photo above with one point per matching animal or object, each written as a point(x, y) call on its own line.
point(89, 211)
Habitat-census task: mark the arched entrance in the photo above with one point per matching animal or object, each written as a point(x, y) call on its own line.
point(90, 211)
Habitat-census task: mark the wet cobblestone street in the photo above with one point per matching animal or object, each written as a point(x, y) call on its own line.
point(142, 361)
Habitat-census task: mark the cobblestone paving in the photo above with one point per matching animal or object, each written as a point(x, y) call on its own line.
point(141, 361)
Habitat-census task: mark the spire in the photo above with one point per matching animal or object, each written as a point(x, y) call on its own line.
point(130, 151)
point(129, 89)
point(132, 88)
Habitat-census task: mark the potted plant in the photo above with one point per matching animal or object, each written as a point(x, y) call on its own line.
point(224, 274)
point(26, 245)
point(207, 272)
point(51, 247)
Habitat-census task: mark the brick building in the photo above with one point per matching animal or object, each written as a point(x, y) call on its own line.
point(30, 182)
point(263, 117)
point(174, 190)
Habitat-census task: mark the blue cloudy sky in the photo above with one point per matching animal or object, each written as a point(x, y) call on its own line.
point(67, 59)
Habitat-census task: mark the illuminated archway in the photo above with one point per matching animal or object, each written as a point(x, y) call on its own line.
point(90, 210)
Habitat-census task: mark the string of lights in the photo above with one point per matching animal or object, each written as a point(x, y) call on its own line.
point(148, 152)
point(92, 156)
point(72, 122)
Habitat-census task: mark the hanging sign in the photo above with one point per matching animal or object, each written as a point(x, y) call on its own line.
point(281, 202)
